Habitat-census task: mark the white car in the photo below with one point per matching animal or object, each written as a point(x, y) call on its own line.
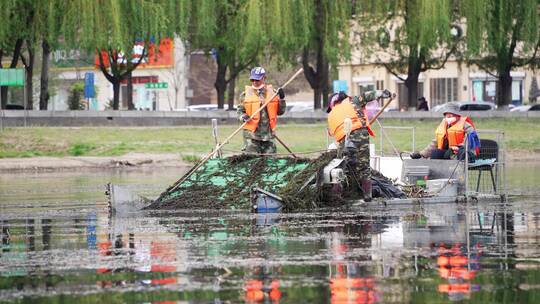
point(525, 108)
point(299, 106)
point(469, 106)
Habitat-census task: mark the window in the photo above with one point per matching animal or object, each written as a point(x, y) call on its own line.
point(380, 84)
point(442, 90)
point(365, 87)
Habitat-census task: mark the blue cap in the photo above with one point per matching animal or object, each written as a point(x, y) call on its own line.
point(257, 73)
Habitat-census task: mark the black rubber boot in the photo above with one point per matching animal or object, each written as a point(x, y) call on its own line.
point(366, 187)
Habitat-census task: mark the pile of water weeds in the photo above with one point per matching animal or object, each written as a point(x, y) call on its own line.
point(295, 180)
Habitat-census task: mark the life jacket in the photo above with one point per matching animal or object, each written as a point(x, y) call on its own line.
point(252, 103)
point(455, 134)
point(346, 110)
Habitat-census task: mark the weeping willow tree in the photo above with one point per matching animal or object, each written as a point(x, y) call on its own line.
point(501, 35)
point(408, 37)
point(232, 31)
point(47, 33)
point(112, 27)
point(313, 32)
point(15, 16)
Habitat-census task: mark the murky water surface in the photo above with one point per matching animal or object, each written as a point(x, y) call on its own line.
point(59, 244)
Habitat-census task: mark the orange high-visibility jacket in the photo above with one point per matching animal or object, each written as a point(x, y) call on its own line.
point(455, 134)
point(252, 104)
point(346, 110)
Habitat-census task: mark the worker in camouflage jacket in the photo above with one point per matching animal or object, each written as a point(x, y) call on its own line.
point(259, 130)
point(355, 145)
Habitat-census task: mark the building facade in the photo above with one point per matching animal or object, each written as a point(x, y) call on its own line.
point(160, 83)
point(455, 82)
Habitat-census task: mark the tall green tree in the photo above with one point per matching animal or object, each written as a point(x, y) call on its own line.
point(314, 33)
point(408, 37)
point(113, 26)
point(232, 32)
point(502, 35)
point(47, 36)
point(15, 16)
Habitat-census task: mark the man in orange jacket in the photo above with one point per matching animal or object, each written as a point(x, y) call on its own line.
point(355, 144)
point(450, 137)
point(259, 130)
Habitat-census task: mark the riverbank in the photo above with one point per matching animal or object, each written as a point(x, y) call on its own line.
point(146, 160)
point(52, 148)
point(86, 163)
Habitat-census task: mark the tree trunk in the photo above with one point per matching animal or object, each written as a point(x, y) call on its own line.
point(319, 79)
point(317, 97)
point(116, 94)
point(411, 83)
point(2, 101)
point(29, 83)
point(14, 61)
point(231, 93)
point(504, 88)
point(221, 84)
point(44, 90)
point(324, 81)
point(130, 104)
point(412, 92)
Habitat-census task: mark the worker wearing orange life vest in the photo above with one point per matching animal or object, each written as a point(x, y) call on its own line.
point(259, 130)
point(356, 146)
point(450, 137)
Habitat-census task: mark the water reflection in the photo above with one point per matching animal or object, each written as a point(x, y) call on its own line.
point(484, 252)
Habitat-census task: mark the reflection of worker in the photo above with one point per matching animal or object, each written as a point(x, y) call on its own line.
point(259, 130)
point(450, 136)
point(356, 144)
point(262, 286)
point(459, 270)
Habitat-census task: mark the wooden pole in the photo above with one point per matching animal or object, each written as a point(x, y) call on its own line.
point(382, 109)
point(284, 145)
point(207, 157)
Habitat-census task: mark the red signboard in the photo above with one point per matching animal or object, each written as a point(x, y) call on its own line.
point(160, 57)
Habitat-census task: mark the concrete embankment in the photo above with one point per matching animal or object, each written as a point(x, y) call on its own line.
point(70, 163)
point(15, 118)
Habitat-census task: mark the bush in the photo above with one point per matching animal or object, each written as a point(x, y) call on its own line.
point(80, 149)
point(75, 100)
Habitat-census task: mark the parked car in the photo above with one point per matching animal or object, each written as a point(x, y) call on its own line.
point(299, 106)
point(207, 107)
point(525, 108)
point(469, 106)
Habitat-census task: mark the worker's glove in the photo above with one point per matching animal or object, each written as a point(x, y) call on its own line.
point(280, 93)
point(416, 155)
point(243, 118)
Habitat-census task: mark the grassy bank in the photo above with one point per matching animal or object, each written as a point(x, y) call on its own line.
point(520, 135)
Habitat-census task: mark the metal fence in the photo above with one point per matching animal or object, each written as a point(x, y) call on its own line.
point(486, 175)
point(482, 177)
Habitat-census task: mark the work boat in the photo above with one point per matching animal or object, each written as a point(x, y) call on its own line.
point(286, 184)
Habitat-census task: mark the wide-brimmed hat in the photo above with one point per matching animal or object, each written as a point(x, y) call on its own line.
point(451, 108)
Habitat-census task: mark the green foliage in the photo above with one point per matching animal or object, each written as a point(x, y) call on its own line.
point(191, 158)
point(493, 25)
point(408, 30)
point(79, 149)
point(75, 99)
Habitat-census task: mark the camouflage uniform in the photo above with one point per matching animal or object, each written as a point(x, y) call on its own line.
point(356, 148)
point(262, 140)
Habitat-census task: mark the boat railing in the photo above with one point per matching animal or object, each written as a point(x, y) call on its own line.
point(484, 176)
